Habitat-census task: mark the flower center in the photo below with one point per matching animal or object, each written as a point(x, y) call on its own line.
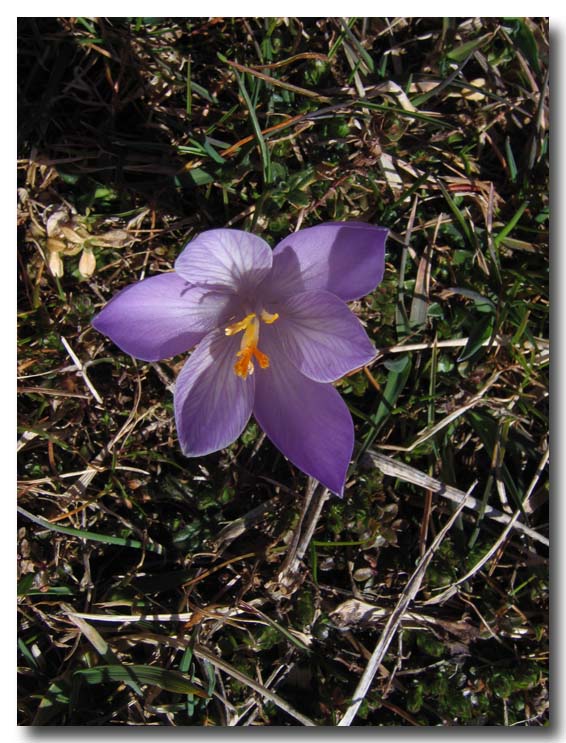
point(248, 346)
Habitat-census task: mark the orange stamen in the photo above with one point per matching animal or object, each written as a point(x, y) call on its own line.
point(262, 358)
point(244, 365)
point(248, 346)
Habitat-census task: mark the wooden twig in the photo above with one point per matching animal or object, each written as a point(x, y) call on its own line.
point(250, 709)
point(459, 343)
point(407, 473)
point(277, 82)
point(81, 370)
point(411, 590)
point(288, 579)
point(202, 652)
point(447, 420)
point(239, 526)
point(452, 589)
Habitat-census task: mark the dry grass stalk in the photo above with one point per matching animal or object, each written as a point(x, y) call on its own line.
point(409, 593)
point(405, 472)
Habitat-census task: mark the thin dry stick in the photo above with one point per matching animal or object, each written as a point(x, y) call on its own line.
point(238, 527)
point(289, 60)
point(277, 82)
point(250, 708)
point(50, 391)
point(309, 493)
point(120, 618)
point(451, 590)
point(25, 438)
point(319, 500)
point(433, 430)
point(315, 499)
point(220, 613)
point(456, 343)
point(78, 488)
point(542, 464)
point(81, 370)
point(394, 621)
point(202, 652)
point(405, 472)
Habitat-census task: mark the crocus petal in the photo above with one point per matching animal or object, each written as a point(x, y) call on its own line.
point(162, 316)
point(308, 421)
point(321, 336)
point(212, 404)
point(345, 258)
point(225, 258)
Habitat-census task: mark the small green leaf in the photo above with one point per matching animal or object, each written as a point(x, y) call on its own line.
point(395, 384)
point(212, 152)
point(511, 224)
point(102, 647)
point(482, 304)
point(54, 701)
point(481, 332)
point(525, 40)
point(511, 163)
point(297, 198)
point(459, 53)
point(397, 364)
point(199, 177)
point(445, 364)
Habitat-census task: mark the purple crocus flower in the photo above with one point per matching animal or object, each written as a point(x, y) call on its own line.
point(271, 330)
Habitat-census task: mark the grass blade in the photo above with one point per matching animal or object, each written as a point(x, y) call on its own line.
point(174, 681)
point(90, 535)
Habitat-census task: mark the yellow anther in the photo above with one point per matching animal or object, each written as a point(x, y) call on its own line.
point(268, 318)
point(248, 346)
point(237, 327)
